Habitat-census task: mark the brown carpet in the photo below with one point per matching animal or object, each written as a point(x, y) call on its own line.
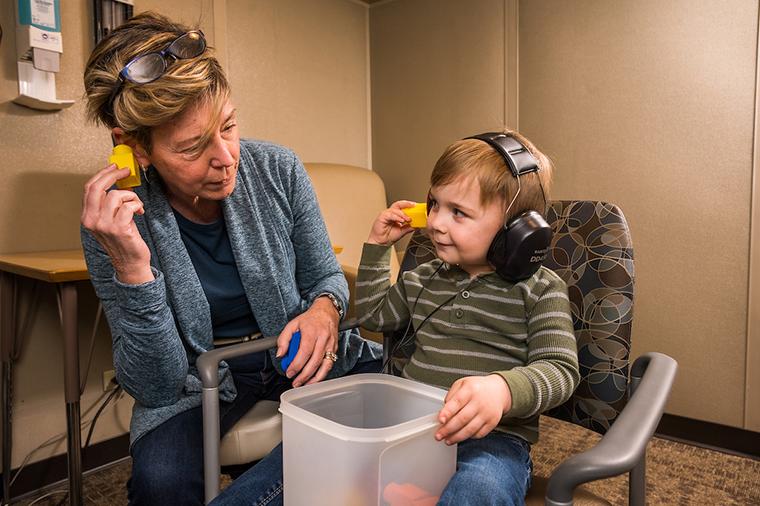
point(677, 473)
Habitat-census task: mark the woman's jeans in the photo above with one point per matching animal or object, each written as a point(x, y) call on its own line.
point(494, 471)
point(167, 462)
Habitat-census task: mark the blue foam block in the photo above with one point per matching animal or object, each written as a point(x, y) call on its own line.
point(295, 342)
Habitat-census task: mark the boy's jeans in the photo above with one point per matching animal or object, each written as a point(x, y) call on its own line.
point(494, 470)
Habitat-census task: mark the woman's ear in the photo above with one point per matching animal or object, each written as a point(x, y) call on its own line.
point(141, 156)
point(120, 137)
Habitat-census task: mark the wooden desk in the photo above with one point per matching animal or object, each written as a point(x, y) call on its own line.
point(63, 269)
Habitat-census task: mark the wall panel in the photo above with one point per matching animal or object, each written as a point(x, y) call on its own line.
point(299, 82)
point(437, 76)
point(650, 105)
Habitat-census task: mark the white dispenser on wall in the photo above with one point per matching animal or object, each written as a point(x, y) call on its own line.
point(38, 50)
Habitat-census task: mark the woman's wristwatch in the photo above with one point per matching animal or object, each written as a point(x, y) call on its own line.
point(335, 302)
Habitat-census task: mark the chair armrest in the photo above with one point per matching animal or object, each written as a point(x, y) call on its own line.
point(624, 445)
point(208, 362)
point(208, 370)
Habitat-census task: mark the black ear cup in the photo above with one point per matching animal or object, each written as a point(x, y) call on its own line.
point(521, 245)
point(518, 249)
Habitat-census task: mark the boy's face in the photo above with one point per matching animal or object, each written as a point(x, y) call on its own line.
point(460, 227)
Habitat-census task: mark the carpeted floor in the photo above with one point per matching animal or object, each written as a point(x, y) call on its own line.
point(677, 473)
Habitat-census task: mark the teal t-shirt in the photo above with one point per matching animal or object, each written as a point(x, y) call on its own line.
point(211, 254)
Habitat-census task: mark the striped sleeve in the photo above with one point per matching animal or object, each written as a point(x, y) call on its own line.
point(380, 306)
point(551, 373)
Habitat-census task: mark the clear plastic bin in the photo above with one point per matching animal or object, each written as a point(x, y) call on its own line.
point(348, 441)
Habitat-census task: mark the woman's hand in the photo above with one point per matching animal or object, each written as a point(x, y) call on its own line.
point(319, 335)
point(109, 215)
point(473, 407)
point(391, 225)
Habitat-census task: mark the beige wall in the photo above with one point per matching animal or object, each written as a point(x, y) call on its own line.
point(646, 104)
point(437, 75)
point(300, 82)
point(650, 105)
point(299, 72)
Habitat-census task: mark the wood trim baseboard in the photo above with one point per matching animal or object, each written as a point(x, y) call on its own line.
point(54, 469)
point(710, 435)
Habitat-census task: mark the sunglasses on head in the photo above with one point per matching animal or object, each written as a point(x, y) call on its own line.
point(148, 67)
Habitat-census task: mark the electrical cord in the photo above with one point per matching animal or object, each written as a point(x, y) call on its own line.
point(114, 392)
point(62, 491)
point(15, 354)
point(85, 423)
point(118, 390)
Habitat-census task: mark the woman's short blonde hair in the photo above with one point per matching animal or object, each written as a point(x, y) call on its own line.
point(137, 108)
point(477, 159)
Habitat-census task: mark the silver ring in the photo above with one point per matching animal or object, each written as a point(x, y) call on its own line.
point(332, 356)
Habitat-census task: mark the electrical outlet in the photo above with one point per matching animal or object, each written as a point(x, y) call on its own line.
point(107, 377)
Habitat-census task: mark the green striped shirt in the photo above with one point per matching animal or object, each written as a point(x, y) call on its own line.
point(475, 326)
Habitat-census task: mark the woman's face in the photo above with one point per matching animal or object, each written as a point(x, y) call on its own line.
point(191, 168)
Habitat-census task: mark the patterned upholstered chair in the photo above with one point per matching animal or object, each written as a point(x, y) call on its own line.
point(591, 250)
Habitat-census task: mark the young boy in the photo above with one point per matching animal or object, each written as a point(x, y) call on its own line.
point(505, 350)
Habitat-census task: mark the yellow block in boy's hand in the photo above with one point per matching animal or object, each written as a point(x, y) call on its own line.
point(418, 214)
point(123, 157)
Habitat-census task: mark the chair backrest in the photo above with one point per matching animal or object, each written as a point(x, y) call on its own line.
point(591, 250)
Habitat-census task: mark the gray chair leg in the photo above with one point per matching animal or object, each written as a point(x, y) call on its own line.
point(637, 483)
point(211, 466)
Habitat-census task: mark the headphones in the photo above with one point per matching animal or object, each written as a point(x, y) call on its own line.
point(521, 245)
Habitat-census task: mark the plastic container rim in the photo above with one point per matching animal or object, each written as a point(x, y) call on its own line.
point(344, 432)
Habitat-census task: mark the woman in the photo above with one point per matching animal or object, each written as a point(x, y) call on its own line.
point(222, 239)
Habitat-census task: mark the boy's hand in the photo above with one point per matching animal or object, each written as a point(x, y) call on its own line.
point(391, 225)
point(473, 407)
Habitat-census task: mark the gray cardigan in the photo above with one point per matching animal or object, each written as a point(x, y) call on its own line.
point(285, 261)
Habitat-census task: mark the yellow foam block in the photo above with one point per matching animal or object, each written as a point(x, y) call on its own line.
point(123, 157)
point(418, 214)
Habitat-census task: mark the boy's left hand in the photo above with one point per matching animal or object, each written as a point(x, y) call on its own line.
point(473, 407)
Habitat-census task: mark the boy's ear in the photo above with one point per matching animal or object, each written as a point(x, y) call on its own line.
point(120, 137)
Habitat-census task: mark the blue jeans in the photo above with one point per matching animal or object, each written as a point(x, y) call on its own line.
point(491, 471)
point(494, 471)
point(167, 462)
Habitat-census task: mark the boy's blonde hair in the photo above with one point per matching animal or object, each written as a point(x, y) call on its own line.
point(137, 108)
point(475, 158)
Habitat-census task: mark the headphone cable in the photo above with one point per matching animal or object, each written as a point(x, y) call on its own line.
point(408, 325)
point(406, 339)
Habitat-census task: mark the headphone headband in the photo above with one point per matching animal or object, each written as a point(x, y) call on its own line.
point(519, 247)
point(519, 160)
